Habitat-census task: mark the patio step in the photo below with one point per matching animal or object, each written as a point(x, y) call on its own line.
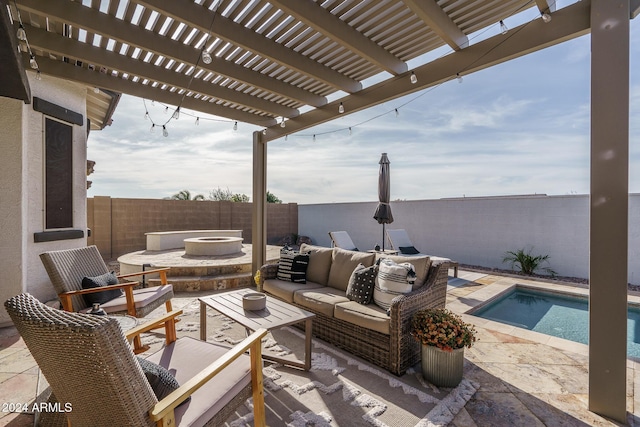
point(207, 283)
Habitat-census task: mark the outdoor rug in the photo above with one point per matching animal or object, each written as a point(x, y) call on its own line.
point(339, 390)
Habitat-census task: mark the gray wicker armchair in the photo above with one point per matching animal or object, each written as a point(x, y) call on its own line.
point(95, 377)
point(66, 269)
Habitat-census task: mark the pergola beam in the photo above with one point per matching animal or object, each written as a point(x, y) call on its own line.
point(118, 84)
point(315, 16)
point(546, 6)
point(439, 22)
point(64, 46)
point(195, 15)
point(93, 21)
point(568, 23)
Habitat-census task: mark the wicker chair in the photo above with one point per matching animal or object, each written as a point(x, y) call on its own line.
point(67, 268)
point(97, 381)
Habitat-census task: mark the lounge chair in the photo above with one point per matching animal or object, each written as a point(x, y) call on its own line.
point(67, 268)
point(401, 242)
point(96, 380)
point(341, 239)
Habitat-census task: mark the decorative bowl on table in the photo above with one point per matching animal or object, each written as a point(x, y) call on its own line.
point(253, 301)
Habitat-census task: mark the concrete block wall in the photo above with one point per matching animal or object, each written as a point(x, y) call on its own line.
point(118, 226)
point(478, 231)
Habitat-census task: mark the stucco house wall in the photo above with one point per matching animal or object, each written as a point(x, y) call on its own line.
point(22, 198)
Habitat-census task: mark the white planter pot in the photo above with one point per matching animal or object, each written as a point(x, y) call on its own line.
point(442, 368)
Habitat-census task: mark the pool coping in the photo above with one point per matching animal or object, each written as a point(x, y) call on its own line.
point(475, 300)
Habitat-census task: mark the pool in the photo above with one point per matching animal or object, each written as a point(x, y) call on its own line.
point(553, 314)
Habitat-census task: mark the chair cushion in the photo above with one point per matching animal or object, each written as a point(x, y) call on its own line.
point(421, 265)
point(292, 266)
point(342, 265)
point(361, 284)
point(98, 282)
point(392, 280)
point(285, 290)
point(141, 298)
point(368, 316)
point(408, 250)
point(319, 263)
point(162, 382)
point(320, 300)
point(187, 357)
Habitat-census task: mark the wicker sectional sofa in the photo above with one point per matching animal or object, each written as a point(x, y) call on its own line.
point(367, 331)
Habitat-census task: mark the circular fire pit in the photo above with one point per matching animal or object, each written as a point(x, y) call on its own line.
point(212, 246)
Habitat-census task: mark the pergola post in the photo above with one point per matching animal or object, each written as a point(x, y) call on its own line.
point(259, 212)
point(609, 207)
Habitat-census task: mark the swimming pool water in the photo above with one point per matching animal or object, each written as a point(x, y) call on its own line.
point(556, 315)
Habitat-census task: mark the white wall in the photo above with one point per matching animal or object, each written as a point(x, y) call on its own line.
point(22, 187)
point(478, 231)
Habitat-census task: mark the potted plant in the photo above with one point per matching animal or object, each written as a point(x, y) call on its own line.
point(443, 335)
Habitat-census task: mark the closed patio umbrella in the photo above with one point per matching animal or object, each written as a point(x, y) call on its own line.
point(383, 212)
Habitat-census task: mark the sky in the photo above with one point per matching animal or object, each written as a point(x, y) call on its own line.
point(521, 127)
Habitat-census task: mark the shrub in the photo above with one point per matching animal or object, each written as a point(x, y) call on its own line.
point(527, 263)
point(442, 328)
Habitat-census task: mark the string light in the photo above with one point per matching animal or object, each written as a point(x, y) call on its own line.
point(176, 114)
point(235, 126)
point(146, 115)
point(341, 108)
point(96, 90)
point(349, 131)
point(282, 123)
point(153, 128)
point(166, 110)
point(21, 34)
point(38, 75)
point(546, 17)
point(314, 137)
point(503, 28)
point(33, 63)
point(165, 133)
point(197, 121)
point(413, 78)
point(459, 77)
point(264, 131)
point(206, 57)
point(286, 137)
point(397, 112)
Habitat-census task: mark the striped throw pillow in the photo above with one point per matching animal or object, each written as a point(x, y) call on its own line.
point(392, 280)
point(292, 266)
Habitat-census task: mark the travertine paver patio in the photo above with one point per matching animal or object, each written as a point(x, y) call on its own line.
point(526, 379)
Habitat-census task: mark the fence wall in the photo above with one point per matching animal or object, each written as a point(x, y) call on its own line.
point(118, 226)
point(478, 231)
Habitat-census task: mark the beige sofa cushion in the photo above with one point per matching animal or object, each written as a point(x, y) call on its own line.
point(285, 290)
point(368, 316)
point(320, 300)
point(319, 263)
point(342, 265)
point(421, 264)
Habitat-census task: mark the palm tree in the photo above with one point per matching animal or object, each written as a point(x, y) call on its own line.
point(186, 195)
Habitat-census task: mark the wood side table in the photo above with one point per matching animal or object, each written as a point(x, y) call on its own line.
point(275, 315)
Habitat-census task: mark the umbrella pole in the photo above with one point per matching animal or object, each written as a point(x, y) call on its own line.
point(383, 237)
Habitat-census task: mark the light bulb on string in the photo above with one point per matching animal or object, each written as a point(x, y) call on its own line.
point(286, 137)
point(314, 137)
point(341, 108)
point(546, 17)
point(397, 112)
point(503, 28)
point(166, 110)
point(459, 77)
point(350, 132)
point(282, 123)
point(176, 114)
point(146, 115)
point(153, 128)
point(206, 57)
point(165, 133)
point(264, 131)
point(96, 90)
point(33, 63)
point(21, 34)
point(235, 126)
point(38, 75)
point(197, 121)
point(413, 78)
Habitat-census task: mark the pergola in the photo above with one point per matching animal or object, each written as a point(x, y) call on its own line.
point(289, 65)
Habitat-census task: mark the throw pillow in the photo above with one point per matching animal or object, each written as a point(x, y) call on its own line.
point(292, 266)
point(162, 382)
point(361, 284)
point(99, 282)
point(392, 280)
point(343, 263)
point(408, 250)
point(319, 263)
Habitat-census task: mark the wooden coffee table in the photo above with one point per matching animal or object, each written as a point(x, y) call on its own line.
point(276, 315)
